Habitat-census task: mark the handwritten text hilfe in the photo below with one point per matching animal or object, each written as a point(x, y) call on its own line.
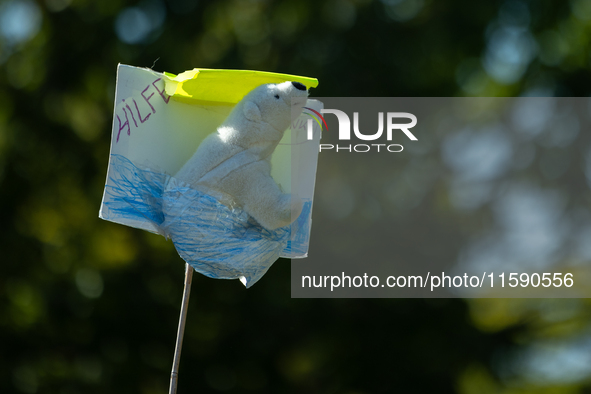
point(127, 111)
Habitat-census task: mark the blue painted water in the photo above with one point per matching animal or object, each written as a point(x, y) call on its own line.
point(218, 240)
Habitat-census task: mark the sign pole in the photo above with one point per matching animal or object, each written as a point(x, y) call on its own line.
point(181, 330)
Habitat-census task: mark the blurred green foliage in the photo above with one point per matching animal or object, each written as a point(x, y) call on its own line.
point(90, 306)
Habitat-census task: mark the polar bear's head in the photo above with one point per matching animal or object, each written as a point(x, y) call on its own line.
point(275, 103)
point(264, 114)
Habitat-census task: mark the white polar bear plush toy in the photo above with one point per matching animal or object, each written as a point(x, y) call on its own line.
point(236, 160)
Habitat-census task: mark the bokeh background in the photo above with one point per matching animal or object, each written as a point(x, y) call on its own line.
point(88, 306)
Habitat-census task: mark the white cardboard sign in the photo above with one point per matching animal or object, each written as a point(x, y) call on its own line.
point(153, 135)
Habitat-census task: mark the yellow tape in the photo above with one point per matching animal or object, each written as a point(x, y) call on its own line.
point(223, 86)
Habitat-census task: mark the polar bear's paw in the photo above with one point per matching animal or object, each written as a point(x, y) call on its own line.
point(279, 213)
point(297, 205)
point(288, 210)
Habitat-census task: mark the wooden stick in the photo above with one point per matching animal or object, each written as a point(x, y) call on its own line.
point(179, 335)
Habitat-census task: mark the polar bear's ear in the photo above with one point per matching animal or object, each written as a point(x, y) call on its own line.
point(252, 111)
